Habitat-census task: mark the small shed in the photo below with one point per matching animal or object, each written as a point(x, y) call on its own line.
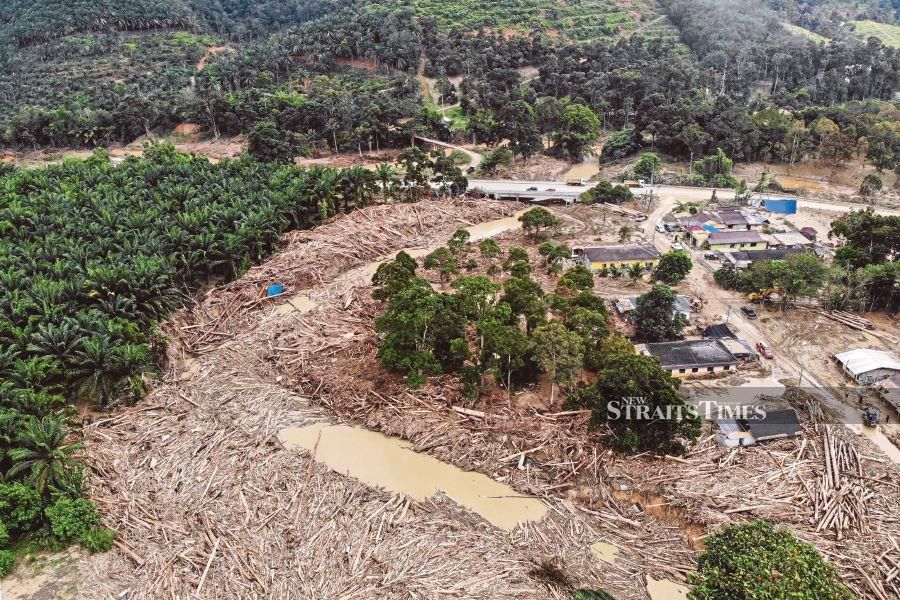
point(889, 390)
point(866, 366)
point(740, 348)
point(810, 233)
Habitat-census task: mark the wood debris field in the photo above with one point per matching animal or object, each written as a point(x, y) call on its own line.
point(209, 504)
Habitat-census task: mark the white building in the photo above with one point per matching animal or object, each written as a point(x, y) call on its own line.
point(866, 366)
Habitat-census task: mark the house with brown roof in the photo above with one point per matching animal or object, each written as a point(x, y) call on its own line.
point(735, 240)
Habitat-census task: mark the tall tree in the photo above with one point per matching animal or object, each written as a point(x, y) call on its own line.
point(655, 318)
point(559, 353)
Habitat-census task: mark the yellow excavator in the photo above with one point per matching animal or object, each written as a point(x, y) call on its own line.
point(772, 294)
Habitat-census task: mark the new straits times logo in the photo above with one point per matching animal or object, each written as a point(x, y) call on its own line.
point(635, 408)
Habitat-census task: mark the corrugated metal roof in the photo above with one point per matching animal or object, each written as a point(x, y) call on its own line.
point(863, 360)
point(791, 238)
point(613, 253)
point(692, 353)
point(734, 237)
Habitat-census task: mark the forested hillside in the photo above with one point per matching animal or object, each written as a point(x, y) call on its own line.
point(340, 75)
point(826, 16)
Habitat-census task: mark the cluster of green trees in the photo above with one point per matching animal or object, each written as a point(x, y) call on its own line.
point(829, 20)
point(745, 42)
point(606, 191)
point(502, 323)
point(95, 89)
point(866, 272)
point(757, 560)
point(797, 276)
point(92, 256)
point(30, 21)
point(288, 82)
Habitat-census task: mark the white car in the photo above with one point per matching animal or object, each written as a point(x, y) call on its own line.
point(660, 227)
point(677, 246)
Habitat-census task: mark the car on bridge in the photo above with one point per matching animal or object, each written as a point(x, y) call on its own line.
point(533, 188)
point(551, 189)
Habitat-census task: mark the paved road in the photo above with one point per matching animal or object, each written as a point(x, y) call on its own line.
point(519, 187)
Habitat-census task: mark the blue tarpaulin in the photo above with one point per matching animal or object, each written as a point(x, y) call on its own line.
point(710, 228)
point(782, 206)
point(276, 289)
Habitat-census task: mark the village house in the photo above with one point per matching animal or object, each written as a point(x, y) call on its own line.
point(741, 259)
point(691, 357)
point(774, 425)
point(789, 239)
point(866, 366)
point(733, 220)
point(605, 257)
point(735, 240)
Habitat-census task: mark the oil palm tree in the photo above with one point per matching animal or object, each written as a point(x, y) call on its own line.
point(634, 272)
point(42, 457)
point(387, 176)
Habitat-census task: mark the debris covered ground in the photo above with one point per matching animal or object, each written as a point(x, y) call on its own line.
point(208, 503)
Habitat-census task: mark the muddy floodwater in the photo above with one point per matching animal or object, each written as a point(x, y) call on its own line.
point(381, 461)
point(664, 589)
point(605, 552)
point(489, 229)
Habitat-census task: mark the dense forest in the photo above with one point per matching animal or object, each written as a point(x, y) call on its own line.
point(341, 76)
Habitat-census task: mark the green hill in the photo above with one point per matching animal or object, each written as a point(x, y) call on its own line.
point(803, 32)
point(30, 21)
point(576, 19)
point(889, 34)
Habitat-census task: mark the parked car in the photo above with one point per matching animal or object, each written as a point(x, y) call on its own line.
point(748, 310)
point(660, 227)
point(765, 350)
point(710, 256)
point(551, 189)
point(677, 246)
point(533, 188)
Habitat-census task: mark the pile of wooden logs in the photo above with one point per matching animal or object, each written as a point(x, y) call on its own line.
point(622, 210)
point(851, 320)
point(840, 498)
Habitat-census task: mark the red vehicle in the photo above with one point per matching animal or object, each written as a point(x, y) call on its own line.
point(551, 189)
point(765, 350)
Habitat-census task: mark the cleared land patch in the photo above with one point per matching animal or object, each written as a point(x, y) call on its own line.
point(889, 34)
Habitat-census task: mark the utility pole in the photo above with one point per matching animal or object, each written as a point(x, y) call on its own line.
point(728, 315)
